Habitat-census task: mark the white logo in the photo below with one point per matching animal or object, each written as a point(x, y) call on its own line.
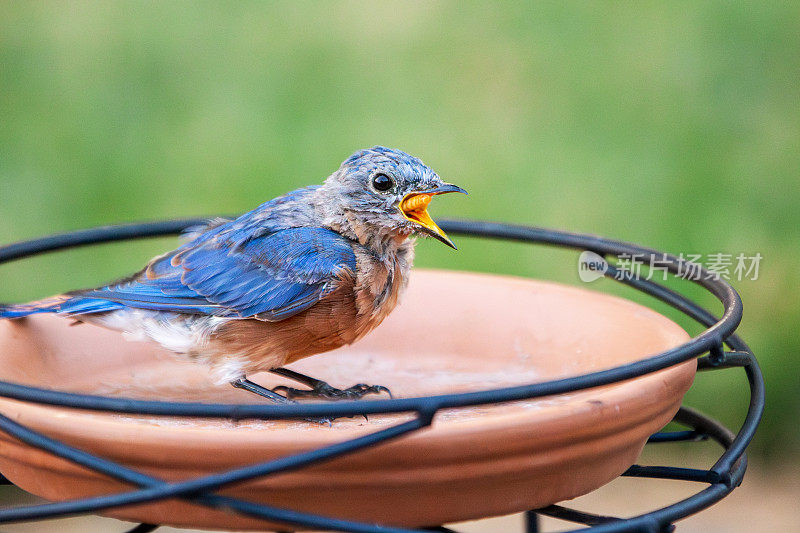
point(591, 266)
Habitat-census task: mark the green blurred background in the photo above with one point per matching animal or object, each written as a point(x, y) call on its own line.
point(676, 126)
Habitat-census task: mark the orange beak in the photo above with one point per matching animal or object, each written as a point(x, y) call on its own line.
point(414, 207)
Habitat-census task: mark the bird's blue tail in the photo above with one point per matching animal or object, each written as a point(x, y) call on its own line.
point(65, 304)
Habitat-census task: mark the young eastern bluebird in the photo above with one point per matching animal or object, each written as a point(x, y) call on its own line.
point(299, 275)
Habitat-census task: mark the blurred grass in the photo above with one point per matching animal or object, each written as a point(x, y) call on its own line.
point(673, 125)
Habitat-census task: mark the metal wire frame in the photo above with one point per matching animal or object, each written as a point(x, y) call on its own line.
point(722, 477)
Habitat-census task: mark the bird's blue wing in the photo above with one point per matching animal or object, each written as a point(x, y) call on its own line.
point(269, 277)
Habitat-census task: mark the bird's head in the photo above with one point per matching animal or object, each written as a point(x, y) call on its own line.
point(386, 192)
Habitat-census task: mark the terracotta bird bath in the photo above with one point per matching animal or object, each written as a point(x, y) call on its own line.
point(454, 332)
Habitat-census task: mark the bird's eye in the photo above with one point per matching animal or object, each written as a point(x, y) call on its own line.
point(382, 182)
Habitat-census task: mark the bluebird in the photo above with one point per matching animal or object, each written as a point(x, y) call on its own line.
point(305, 273)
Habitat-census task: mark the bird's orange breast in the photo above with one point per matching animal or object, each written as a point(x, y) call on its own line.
point(351, 311)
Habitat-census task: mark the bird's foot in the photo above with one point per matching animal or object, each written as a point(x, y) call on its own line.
point(246, 384)
point(325, 391)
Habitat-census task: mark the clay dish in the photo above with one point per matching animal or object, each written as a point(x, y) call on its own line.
point(454, 332)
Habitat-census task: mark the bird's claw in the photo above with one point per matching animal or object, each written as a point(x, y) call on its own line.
point(356, 392)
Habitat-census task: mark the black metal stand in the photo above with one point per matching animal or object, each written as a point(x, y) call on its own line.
point(721, 478)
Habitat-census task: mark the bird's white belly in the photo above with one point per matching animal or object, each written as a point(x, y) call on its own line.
point(182, 334)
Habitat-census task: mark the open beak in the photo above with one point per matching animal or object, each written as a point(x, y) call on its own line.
point(414, 207)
